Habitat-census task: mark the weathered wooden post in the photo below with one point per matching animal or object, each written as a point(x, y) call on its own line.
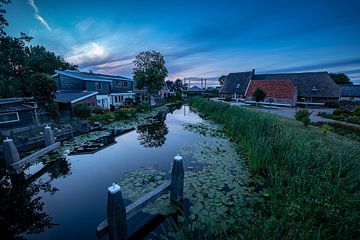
point(49, 136)
point(11, 153)
point(116, 214)
point(177, 180)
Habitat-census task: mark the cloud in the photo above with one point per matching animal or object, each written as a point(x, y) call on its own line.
point(37, 14)
point(89, 53)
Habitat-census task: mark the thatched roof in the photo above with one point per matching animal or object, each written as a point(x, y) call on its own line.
point(236, 83)
point(350, 90)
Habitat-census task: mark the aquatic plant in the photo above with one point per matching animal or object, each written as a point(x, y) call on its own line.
point(309, 182)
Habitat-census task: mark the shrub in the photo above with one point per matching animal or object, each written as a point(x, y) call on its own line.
point(357, 111)
point(82, 111)
point(331, 104)
point(124, 113)
point(339, 112)
point(259, 94)
point(99, 111)
point(143, 107)
point(303, 116)
point(53, 110)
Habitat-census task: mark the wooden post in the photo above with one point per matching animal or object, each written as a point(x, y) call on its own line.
point(116, 214)
point(177, 180)
point(49, 136)
point(10, 152)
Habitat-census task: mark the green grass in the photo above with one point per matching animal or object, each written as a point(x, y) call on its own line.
point(310, 181)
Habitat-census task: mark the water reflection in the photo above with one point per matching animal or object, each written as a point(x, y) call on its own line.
point(21, 206)
point(152, 135)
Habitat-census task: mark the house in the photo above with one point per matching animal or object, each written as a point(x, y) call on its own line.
point(111, 90)
point(169, 89)
point(18, 112)
point(282, 92)
point(350, 93)
point(312, 87)
point(66, 101)
point(235, 85)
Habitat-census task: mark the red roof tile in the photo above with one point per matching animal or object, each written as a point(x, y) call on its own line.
point(272, 88)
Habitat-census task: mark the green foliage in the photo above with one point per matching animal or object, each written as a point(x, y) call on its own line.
point(53, 110)
point(124, 113)
point(43, 87)
point(340, 78)
point(259, 95)
point(82, 111)
point(357, 112)
point(179, 83)
point(312, 185)
point(303, 116)
point(150, 71)
point(143, 107)
point(339, 112)
point(332, 104)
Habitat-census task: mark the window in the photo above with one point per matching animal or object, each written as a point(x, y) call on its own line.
point(9, 117)
point(98, 86)
point(125, 83)
point(238, 85)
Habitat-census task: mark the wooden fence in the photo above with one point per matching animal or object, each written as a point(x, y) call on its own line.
point(118, 215)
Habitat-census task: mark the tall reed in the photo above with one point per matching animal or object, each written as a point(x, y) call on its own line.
point(311, 186)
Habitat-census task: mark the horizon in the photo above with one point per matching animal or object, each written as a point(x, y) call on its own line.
point(197, 41)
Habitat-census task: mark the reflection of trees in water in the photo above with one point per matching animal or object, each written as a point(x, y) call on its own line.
point(152, 135)
point(21, 207)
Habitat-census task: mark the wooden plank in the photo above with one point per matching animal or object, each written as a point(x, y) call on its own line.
point(133, 208)
point(35, 155)
point(136, 206)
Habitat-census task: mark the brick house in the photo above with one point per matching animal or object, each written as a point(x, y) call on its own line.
point(277, 91)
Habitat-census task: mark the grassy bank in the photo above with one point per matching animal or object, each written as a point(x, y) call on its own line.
point(309, 182)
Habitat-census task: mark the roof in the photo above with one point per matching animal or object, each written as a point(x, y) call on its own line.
point(306, 82)
point(91, 76)
point(273, 88)
point(15, 100)
point(194, 89)
point(73, 96)
point(236, 82)
point(350, 90)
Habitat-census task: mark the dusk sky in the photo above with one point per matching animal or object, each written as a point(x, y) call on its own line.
point(197, 38)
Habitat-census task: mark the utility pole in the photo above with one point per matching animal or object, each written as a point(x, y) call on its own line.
point(205, 83)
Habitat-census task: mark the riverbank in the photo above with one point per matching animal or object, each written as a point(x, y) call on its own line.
point(308, 183)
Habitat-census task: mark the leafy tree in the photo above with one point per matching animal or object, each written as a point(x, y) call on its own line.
point(178, 83)
point(150, 71)
point(340, 78)
point(222, 79)
point(259, 95)
point(43, 87)
point(53, 110)
point(3, 21)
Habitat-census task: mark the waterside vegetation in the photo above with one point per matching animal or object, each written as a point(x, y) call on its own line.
point(309, 182)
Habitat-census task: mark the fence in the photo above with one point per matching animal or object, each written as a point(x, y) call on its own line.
point(118, 215)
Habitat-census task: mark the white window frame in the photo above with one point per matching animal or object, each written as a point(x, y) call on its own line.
point(98, 86)
point(17, 116)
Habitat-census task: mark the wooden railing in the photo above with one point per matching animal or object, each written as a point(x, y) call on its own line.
point(118, 215)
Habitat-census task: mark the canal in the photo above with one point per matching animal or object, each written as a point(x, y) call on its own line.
point(69, 199)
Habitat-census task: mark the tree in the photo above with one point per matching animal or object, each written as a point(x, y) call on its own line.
point(150, 71)
point(340, 78)
point(259, 95)
point(222, 79)
point(178, 83)
point(43, 87)
point(3, 21)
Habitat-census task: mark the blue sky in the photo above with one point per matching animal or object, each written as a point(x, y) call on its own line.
point(197, 38)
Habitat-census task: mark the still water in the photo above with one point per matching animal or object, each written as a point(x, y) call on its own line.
point(68, 200)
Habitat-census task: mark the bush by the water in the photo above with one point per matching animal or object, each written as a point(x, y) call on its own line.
point(339, 112)
point(332, 104)
point(82, 111)
point(357, 112)
point(303, 116)
point(310, 185)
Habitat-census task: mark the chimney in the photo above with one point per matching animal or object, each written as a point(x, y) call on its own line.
point(253, 71)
